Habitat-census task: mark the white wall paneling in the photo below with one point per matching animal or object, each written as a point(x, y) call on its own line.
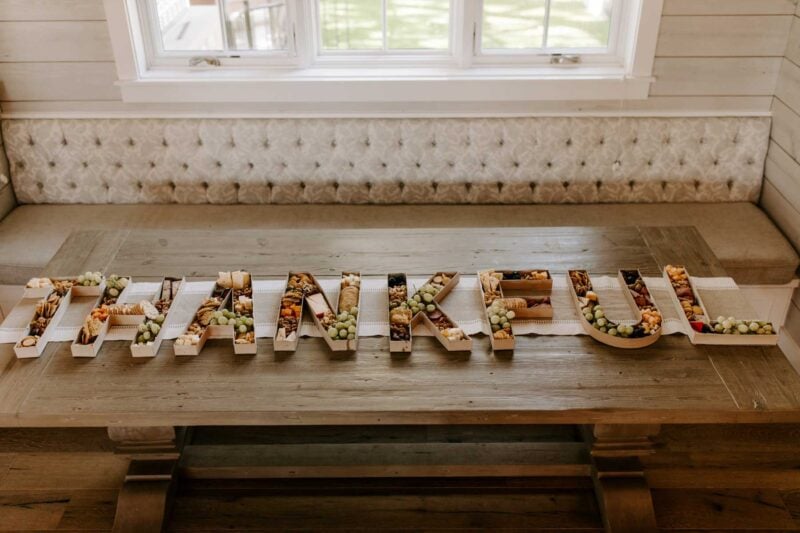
point(725, 36)
point(788, 86)
point(729, 7)
point(723, 76)
point(78, 10)
point(54, 41)
point(58, 81)
point(781, 194)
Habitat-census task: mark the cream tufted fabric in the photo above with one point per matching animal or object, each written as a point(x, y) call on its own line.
point(505, 160)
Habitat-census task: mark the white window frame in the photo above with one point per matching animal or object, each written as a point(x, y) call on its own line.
point(461, 75)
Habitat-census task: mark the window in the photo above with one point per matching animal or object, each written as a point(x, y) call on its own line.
point(546, 25)
point(392, 26)
point(450, 42)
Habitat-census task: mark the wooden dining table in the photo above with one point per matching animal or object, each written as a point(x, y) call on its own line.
point(619, 397)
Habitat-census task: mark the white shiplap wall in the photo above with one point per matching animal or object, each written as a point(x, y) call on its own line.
point(717, 56)
point(781, 194)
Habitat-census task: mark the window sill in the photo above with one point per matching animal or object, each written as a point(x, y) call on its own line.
point(390, 86)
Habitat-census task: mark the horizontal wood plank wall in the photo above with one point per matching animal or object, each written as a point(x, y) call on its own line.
point(781, 194)
point(713, 56)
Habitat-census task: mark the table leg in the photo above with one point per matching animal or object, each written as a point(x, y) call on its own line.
point(144, 501)
point(620, 485)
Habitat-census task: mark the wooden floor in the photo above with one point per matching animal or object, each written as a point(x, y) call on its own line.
point(745, 478)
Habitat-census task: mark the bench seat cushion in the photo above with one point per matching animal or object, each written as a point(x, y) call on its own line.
point(747, 243)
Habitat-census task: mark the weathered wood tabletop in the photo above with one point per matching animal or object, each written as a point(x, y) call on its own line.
point(568, 379)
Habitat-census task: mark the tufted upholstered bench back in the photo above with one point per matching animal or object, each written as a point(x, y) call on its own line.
point(503, 160)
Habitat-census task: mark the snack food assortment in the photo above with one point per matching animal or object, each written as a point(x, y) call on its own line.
point(425, 298)
point(345, 323)
point(589, 305)
point(424, 305)
point(90, 279)
point(339, 328)
point(690, 305)
point(291, 311)
point(696, 314)
point(498, 311)
point(45, 312)
point(400, 314)
point(209, 312)
point(241, 285)
point(115, 285)
point(38, 283)
point(445, 326)
point(96, 321)
point(156, 313)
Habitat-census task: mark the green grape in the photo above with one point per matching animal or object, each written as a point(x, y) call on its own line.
point(223, 321)
point(430, 308)
point(351, 336)
point(351, 329)
point(343, 333)
point(333, 332)
point(242, 329)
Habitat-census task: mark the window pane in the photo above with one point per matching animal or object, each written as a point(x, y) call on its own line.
point(351, 24)
point(579, 24)
point(256, 24)
point(513, 23)
point(418, 24)
point(189, 25)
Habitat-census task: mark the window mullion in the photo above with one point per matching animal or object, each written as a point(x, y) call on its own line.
point(546, 24)
point(223, 20)
point(303, 15)
point(466, 23)
point(385, 27)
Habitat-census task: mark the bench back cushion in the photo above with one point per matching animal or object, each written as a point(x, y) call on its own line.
point(431, 160)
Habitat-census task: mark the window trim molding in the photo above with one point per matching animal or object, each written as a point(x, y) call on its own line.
point(390, 83)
